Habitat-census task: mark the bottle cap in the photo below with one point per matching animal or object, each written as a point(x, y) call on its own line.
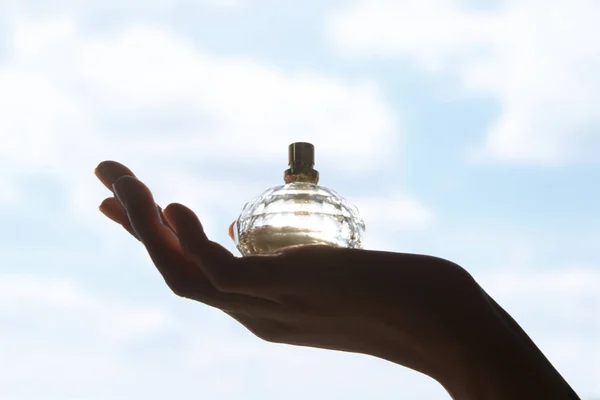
point(301, 162)
point(301, 154)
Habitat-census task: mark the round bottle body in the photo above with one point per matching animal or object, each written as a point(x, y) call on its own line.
point(297, 214)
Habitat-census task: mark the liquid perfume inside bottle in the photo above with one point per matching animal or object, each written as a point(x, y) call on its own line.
point(298, 213)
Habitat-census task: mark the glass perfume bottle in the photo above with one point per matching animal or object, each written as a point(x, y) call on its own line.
point(298, 213)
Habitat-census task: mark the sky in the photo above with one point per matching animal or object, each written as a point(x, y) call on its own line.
point(464, 129)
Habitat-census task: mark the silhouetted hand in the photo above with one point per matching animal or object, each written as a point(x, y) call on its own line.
point(422, 312)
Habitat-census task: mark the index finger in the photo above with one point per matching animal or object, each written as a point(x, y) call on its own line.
point(108, 172)
point(255, 276)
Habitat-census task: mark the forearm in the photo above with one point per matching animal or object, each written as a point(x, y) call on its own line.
point(505, 364)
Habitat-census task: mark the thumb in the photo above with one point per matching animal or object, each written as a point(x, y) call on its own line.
point(230, 231)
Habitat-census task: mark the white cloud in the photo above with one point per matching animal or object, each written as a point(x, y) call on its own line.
point(58, 301)
point(146, 93)
point(54, 332)
point(9, 193)
point(115, 6)
point(244, 108)
point(159, 102)
point(72, 98)
point(388, 216)
point(395, 212)
point(75, 344)
point(538, 59)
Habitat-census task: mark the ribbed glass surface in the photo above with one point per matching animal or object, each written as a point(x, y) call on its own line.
point(296, 214)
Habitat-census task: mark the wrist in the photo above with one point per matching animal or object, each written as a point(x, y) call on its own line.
point(500, 362)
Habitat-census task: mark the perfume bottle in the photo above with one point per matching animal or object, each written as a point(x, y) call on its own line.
point(298, 213)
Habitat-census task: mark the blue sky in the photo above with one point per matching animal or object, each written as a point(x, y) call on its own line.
point(468, 130)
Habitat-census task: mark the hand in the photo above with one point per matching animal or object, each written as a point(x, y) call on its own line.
point(410, 309)
point(422, 312)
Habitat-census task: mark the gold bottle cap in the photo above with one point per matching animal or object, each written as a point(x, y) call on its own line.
point(301, 160)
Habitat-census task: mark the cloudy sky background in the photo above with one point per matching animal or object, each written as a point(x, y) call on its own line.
point(466, 129)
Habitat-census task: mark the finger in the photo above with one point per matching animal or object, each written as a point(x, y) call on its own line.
point(162, 217)
point(237, 275)
point(108, 172)
point(111, 208)
point(181, 275)
point(160, 242)
point(216, 249)
point(138, 203)
point(230, 231)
